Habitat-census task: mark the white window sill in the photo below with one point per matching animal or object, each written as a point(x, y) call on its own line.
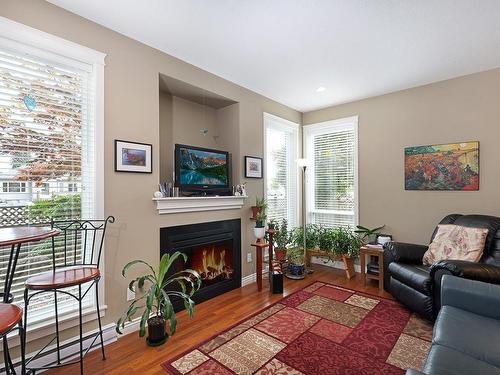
point(46, 328)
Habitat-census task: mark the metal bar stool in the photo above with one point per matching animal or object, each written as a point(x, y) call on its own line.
point(11, 316)
point(76, 255)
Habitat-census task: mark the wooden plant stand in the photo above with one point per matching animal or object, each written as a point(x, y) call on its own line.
point(260, 246)
point(348, 261)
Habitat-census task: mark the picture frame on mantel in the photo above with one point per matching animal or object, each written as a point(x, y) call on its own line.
point(133, 157)
point(253, 167)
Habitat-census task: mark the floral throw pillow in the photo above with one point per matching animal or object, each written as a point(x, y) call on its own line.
point(457, 243)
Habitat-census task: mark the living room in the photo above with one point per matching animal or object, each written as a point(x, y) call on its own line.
point(291, 163)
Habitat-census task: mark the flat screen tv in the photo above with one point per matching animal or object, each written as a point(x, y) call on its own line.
point(202, 170)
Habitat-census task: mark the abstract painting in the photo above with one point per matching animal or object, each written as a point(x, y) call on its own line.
point(453, 166)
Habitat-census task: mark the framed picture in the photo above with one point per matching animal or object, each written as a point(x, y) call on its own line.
point(253, 167)
point(133, 157)
point(452, 166)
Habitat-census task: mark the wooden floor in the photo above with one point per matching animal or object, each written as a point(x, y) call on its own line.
point(130, 354)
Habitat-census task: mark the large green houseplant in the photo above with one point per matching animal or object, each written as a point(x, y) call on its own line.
point(282, 239)
point(155, 290)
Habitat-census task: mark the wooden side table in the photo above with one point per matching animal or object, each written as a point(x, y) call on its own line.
point(379, 253)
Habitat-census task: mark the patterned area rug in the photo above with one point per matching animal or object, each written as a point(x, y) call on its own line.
point(321, 329)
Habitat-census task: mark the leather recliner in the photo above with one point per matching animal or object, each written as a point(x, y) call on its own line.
point(418, 286)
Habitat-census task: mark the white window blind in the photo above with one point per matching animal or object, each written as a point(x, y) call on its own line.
point(281, 144)
point(47, 141)
point(332, 196)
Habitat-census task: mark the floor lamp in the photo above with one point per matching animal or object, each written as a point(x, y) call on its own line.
point(303, 163)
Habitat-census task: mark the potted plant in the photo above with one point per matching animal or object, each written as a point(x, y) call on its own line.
point(272, 224)
point(156, 289)
point(281, 240)
point(296, 266)
point(345, 243)
point(260, 205)
point(260, 220)
point(368, 235)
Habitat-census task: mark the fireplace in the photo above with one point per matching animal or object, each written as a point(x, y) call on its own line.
point(213, 249)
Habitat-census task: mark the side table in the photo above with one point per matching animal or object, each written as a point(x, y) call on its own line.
point(379, 253)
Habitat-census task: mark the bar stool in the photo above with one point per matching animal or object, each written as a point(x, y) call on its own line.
point(76, 255)
point(11, 319)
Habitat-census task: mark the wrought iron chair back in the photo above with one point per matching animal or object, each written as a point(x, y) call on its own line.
point(80, 243)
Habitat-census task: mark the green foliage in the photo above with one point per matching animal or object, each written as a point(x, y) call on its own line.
point(261, 203)
point(272, 224)
point(283, 237)
point(295, 255)
point(260, 219)
point(313, 232)
point(155, 290)
point(341, 241)
point(366, 233)
point(57, 207)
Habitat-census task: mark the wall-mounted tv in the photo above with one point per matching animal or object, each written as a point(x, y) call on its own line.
point(202, 170)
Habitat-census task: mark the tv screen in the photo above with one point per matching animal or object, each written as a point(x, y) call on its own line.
point(200, 167)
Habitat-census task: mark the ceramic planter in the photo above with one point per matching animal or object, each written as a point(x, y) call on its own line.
point(157, 331)
point(259, 232)
point(280, 254)
point(296, 269)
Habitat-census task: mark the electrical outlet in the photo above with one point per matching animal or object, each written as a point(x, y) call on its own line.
point(249, 257)
point(130, 295)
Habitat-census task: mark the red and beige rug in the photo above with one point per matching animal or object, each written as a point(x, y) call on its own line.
point(321, 329)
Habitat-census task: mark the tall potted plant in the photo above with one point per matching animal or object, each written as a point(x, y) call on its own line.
point(281, 240)
point(155, 290)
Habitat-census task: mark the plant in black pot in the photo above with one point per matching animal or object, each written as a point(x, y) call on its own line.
point(156, 288)
point(296, 266)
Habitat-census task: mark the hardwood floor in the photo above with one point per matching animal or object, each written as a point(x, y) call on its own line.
point(131, 355)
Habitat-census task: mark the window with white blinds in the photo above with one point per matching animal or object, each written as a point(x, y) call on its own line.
point(331, 148)
point(281, 150)
point(48, 150)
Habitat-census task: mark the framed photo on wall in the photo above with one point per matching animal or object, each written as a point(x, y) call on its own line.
point(133, 157)
point(253, 167)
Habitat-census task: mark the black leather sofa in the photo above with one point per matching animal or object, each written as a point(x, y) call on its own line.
point(418, 286)
point(467, 330)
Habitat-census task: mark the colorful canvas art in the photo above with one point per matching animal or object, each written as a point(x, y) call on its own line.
point(453, 166)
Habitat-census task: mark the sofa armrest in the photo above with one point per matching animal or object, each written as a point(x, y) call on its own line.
point(411, 371)
point(468, 270)
point(470, 295)
point(404, 252)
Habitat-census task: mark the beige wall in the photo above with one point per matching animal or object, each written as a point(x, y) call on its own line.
point(462, 109)
point(132, 113)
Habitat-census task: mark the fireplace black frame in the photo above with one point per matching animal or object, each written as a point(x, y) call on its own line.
point(176, 238)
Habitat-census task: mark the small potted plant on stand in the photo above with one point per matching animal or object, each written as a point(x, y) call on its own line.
point(260, 229)
point(368, 235)
point(260, 205)
point(282, 240)
point(156, 289)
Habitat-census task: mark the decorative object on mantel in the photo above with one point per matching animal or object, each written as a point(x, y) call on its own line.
point(253, 167)
point(133, 157)
point(260, 205)
point(240, 190)
point(453, 166)
point(167, 189)
point(172, 205)
point(156, 297)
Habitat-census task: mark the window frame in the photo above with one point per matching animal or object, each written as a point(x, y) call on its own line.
point(295, 128)
point(25, 39)
point(311, 130)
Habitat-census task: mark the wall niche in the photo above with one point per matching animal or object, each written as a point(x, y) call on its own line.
point(194, 116)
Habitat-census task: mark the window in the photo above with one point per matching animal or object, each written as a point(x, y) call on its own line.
point(281, 150)
point(332, 191)
point(50, 131)
point(13, 187)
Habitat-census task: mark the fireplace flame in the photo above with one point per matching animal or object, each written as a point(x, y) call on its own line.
point(214, 265)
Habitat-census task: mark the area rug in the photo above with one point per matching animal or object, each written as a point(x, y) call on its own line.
point(319, 330)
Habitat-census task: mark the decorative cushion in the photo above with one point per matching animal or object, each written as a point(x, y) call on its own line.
point(456, 242)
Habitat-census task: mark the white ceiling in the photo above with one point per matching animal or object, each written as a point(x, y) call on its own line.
point(286, 49)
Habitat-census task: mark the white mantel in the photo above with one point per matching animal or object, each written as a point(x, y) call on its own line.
point(174, 205)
